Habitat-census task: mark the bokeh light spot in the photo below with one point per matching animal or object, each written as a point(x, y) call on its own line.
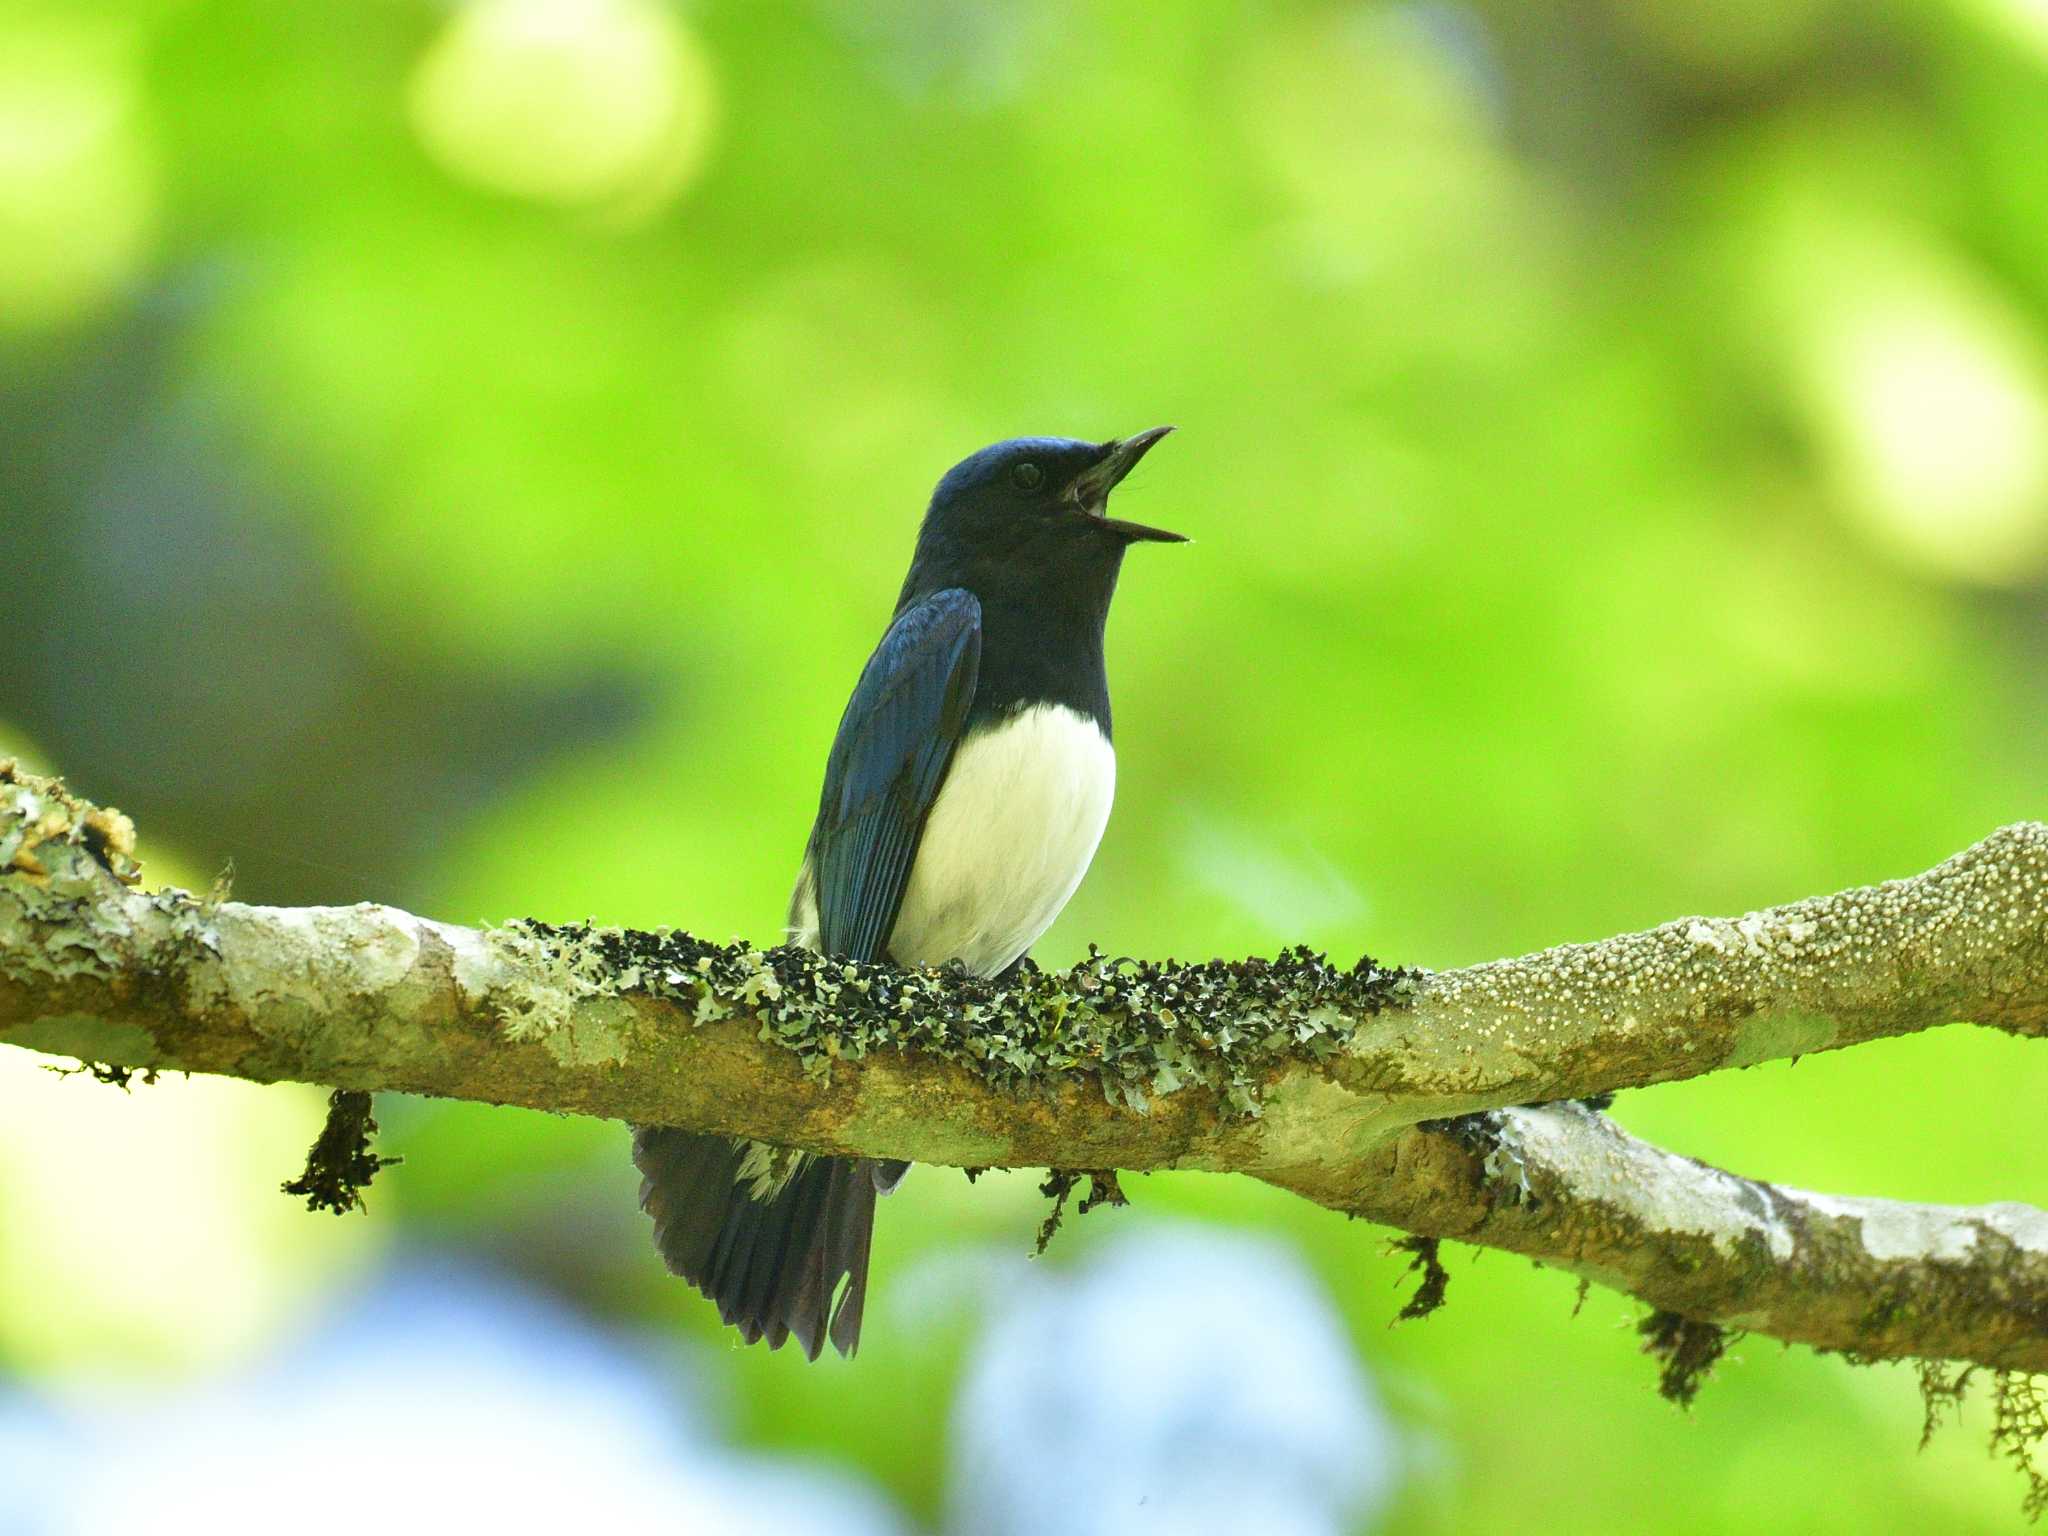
point(1383, 130)
point(77, 188)
point(144, 1229)
point(2022, 22)
point(571, 102)
point(1932, 413)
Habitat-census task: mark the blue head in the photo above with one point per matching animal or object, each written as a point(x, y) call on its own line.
point(1032, 512)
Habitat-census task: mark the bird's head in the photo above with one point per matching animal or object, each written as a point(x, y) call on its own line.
point(1033, 491)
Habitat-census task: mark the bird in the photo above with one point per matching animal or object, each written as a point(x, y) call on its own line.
point(965, 794)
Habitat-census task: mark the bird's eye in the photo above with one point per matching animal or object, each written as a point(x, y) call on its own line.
point(1027, 476)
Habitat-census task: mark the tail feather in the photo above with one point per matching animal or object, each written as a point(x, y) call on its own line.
point(685, 1230)
point(767, 1250)
point(795, 1262)
point(800, 1296)
point(849, 1228)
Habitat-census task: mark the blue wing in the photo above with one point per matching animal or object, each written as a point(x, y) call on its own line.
point(894, 744)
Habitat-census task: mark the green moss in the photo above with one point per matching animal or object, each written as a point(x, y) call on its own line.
point(1138, 1028)
point(1942, 1385)
point(2019, 1420)
point(2019, 1427)
point(1886, 1312)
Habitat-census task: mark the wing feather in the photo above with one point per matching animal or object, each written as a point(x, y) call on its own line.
point(894, 745)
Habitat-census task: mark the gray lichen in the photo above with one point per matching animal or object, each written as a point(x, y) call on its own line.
point(39, 815)
point(57, 853)
point(553, 992)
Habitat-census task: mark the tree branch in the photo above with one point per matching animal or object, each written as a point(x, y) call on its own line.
point(1326, 1082)
point(1879, 1279)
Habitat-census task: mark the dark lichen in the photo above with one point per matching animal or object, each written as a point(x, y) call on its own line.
point(1500, 1163)
point(1138, 1027)
point(341, 1163)
point(106, 1072)
point(1436, 1280)
point(1103, 1189)
point(1686, 1351)
point(1477, 1133)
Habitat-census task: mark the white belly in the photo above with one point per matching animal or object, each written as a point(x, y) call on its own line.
point(1006, 844)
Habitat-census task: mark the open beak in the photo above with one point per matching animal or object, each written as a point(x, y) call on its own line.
point(1091, 488)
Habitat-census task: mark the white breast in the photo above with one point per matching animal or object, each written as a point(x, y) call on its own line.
point(1007, 842)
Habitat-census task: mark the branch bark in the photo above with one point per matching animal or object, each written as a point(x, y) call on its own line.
point(1334, 1084)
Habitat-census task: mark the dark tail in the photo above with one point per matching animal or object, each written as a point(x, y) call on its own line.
point(773, 1265)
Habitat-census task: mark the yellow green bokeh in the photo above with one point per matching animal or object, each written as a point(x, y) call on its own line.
point(460, 453)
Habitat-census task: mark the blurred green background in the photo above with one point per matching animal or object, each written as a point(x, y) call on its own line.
point(460, 454)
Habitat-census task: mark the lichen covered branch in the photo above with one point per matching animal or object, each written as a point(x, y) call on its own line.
point(1330, 1081)
point(1967, 940)
point(1878, 1279)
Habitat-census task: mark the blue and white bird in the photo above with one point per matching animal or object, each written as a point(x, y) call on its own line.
point(964, 796)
